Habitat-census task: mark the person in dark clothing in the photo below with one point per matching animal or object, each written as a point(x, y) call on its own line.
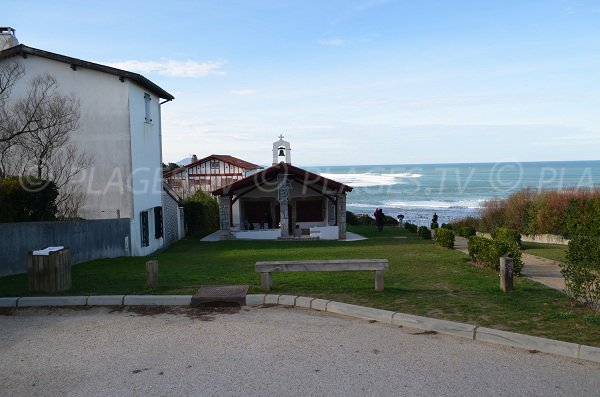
point(269, 220)
point(379, 218)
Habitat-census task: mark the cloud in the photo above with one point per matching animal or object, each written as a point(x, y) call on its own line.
point(336, 41)
point(171, 67)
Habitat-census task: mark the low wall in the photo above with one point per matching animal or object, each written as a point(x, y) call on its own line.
point(87, 240)
point(545, 239)
point(536, 238)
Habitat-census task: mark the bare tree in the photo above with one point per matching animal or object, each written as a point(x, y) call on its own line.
point(35, 135)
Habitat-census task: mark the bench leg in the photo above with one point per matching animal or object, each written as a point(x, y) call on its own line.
point(378, 280)
point(266, 281)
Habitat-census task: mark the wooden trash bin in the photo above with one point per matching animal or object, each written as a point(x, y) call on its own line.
point(49, 273)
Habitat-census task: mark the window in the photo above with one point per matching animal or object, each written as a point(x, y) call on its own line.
point(147, 100)
point(144, 226)
point(158, 222)
point(214, 164)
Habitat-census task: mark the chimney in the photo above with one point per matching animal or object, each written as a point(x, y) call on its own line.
point(194, 158)
point(7, 38)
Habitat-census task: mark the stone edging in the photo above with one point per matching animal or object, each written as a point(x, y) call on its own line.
point(461, 330)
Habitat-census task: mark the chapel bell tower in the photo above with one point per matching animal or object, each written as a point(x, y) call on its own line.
point(282, 151)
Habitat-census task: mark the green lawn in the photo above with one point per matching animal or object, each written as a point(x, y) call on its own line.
point(423, 279)
point(555, 252)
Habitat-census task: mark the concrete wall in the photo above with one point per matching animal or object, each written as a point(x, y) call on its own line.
point(87, 240)
point(146, 165)
point(103, 132)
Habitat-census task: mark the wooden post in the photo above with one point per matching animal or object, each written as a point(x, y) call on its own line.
point(152, 274)
point(266, 281)
point(506, 274)
point(378, 280)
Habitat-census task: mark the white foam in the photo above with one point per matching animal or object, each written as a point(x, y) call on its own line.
point(371, 179)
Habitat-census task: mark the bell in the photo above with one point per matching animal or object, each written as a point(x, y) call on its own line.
point(281, 152)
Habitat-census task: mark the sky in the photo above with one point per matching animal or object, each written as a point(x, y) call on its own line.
point(348, 82)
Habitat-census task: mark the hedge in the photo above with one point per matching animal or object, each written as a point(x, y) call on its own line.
point(424, 232)
point(444, 237)
point(488, 252)
point(25, 199)
point(201, 213)
point(582, 270)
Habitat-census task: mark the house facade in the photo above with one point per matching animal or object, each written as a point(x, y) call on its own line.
point(208, 174)
point(120, 129)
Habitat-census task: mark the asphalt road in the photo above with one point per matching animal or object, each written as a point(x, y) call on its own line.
point(262, 352)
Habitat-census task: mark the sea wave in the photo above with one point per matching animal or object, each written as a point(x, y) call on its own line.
point(371, 179)
point(430, 204)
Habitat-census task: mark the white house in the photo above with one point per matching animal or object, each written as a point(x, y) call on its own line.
point(120, 127)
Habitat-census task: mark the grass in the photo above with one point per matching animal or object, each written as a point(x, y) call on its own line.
point(423, 279)
point(555, 252)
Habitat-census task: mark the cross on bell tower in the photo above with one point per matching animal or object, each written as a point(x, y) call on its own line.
point(281, 151)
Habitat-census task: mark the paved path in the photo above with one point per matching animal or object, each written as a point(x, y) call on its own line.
point(266, 351)
point(542, 270)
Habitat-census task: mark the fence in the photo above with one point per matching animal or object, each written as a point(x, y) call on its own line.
point(87, 240)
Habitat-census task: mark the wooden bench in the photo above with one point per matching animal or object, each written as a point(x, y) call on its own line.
point(339, 265)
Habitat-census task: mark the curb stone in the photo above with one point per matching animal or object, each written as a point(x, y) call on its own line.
point(158, 300)
point(480, 334)
point(527, 342)
point(105, 300)
point(303, 301)
point(287, 300)
point(271, 299)
point(366, 313)
point(431, 324)
point(255, 300)
point(8, 302)
point(319, 304)
point(33, 301)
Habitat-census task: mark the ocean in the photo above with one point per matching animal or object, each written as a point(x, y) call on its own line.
point(453, 191)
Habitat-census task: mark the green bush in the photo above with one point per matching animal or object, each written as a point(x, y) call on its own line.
point(444, 237)
point(360, 219)
point(467, 231)
point(26, 199)
point(201, 212)
point(424, 232)
point(488, 252)
point(484, 251)
point(582, 269)
point(410, 227)
point(390, 221)
point(446, 226)
point(505, 234)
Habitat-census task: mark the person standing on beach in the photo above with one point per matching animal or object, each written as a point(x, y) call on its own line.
point(378, 214)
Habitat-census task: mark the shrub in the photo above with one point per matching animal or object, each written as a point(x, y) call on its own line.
point(424, 232)
point(484, 251)
point(444, 237)
point(390, 221)
point(351, 218)
point(27, 199)
point(465, 227)
point(582, 269)
point(410, 227)
point(488, 252)
point(446, 226)
point(506, 234)
point(201, 212)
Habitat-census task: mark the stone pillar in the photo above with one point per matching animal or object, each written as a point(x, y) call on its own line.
point(225, 215)
point(284, 187)
point(341, 215)
point(330, 213)
point(506, 274)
